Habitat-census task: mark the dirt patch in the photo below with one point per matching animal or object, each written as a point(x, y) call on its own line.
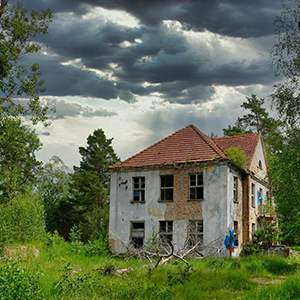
point(262, 280)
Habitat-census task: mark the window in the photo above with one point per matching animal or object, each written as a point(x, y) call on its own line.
point(166, 231)
point(235, 189)
point(195, 232)
point(196, 186)
point(138, 189)
point(260, 165)
point(166, 190)
point(236, 230)
point(253, 194)
point(260, 194)
point(253, 227)
point(137, 234)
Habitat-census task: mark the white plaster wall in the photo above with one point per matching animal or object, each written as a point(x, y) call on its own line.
point(217, 208)
point(259, 155)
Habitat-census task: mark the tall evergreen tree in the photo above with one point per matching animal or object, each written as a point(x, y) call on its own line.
point(90, 185)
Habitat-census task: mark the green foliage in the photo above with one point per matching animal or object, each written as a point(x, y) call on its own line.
point(22, 219)
point(284, 170)
point(18, 164)
point(262, 239)
point(237, 155)
point(17, 282)
point(53, 186)
point(258, 121)
point(90, 185)
point(18, 30)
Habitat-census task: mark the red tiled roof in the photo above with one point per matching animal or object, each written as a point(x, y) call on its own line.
point(247, 142)
point(188, 144)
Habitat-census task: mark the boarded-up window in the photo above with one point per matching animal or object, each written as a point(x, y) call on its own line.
point(137, 234)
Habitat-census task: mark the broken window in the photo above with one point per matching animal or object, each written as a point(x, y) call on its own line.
point(253, 194)
point(253, 227)
point(235, 189)
point(166, 231)
point(236, 230)
point(196, 186)
point(195, 232)
point(137, 234)
point(166, 187)
point(138, 189)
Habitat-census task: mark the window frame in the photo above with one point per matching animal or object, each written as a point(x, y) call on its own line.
point(235, 189)
point(140, 189)
point(137, 245)
point(166, 235)
point(194, 227)
point(165, 190)
point(253, 194)
point(236, 230)
point(197, 186)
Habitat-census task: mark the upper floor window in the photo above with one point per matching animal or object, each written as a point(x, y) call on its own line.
point(138, 189)
point(253, 194)
point(196, 186)
point(166, 187)
point(235, 189)
point(260, 164)
point(195, 232)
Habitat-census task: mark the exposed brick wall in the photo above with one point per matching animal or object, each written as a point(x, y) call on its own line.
point(180, 208)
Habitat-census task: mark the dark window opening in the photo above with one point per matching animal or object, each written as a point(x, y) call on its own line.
point(137, 234)
point(166, 231)
point(196, 186)
point(195, 232)
point(166, 187)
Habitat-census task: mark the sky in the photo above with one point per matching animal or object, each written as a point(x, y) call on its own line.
point(141, 70)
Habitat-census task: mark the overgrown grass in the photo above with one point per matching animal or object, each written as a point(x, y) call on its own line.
point(60, 270)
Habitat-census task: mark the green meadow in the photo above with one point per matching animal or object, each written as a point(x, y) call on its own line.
point(55, 269)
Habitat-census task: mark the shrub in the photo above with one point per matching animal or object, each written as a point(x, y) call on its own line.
point(17, 282)
point(22, 219)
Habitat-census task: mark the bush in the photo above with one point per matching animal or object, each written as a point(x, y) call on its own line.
point(22, 219)
point(17, 282)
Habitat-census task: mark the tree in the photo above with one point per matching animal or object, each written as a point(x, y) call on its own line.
point(285, 57)
point(284, 169)
point(258, 121)
point(17, 31)
point(53, 185)
point(18, 164)
point(90, 185)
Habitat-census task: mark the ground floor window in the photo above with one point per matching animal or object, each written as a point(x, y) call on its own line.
point(195, 232)
point(137, 234)
point(236, 230)
point(166, 231)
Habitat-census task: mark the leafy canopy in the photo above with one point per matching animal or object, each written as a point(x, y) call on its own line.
point(18, 164)
point(17, 32)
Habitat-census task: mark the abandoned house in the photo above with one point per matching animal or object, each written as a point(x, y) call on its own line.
point(184, 189)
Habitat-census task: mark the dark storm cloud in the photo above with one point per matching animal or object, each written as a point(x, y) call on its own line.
point(156, 54)
point(240, 18)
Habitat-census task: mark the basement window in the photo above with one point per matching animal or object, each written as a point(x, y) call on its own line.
point(196, 186)
point(137, 234)
point(195, 232)
point(166, 231)
point(166, 187)
point(235, 189)
point(138, 189)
